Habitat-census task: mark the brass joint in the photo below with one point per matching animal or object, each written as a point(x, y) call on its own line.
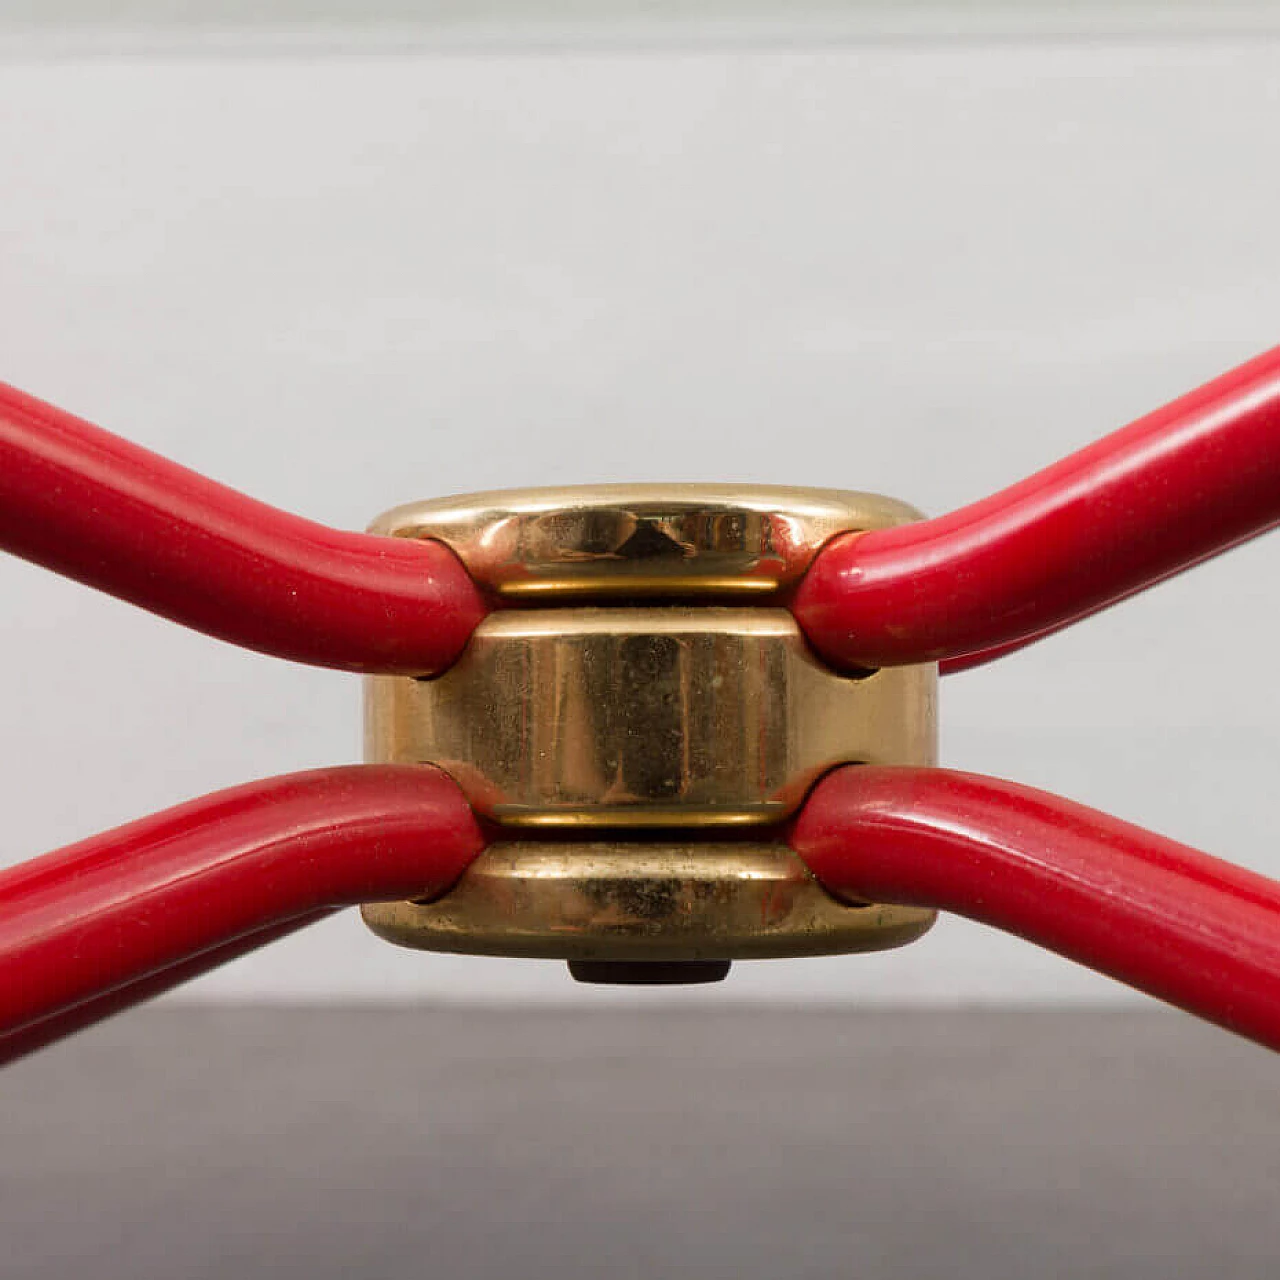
point(639, 718)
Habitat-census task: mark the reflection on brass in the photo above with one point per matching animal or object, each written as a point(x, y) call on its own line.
point(633, 540)
point(691, 717)
point(659, 689)
point(619, 900)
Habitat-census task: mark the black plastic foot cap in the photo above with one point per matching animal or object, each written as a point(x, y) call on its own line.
point(649, 973)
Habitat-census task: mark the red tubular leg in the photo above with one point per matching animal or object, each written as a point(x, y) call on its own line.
point(89, 505)
point(1168, 491)
point(85, 921)
point(1178, 924)
point(37, 1035)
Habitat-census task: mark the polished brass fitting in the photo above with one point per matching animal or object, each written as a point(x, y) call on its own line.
point(640, 717)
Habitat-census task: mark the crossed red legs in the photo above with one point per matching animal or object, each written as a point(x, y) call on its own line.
point(100, 925)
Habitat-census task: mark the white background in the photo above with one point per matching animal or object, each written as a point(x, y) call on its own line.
point(342, 274)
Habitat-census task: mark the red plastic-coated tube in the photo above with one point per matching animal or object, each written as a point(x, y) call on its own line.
point(96, 508)
point(1170, 490)
point(113, 910)
point(1178, 924)
point(38, 1035)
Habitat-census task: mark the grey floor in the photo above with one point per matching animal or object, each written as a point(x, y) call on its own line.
point(429, 1142)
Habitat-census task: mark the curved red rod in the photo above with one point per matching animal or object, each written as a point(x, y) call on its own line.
point(1178, 924)
point(113, 910)
point(37, 1035)
point(96, 508)
point(1166, 492)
